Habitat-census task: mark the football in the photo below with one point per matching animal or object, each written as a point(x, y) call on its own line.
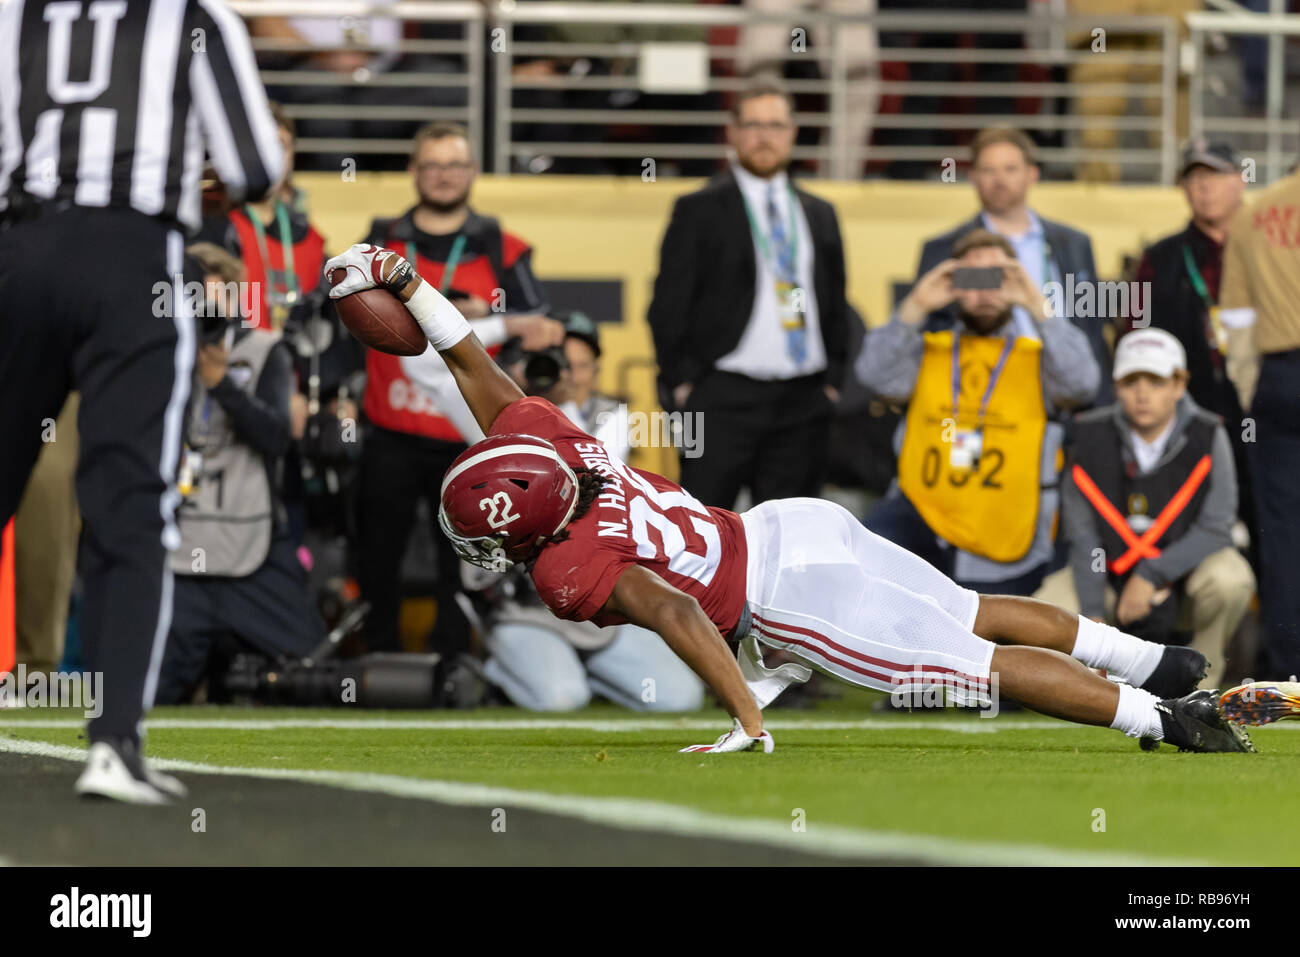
point(378, 319)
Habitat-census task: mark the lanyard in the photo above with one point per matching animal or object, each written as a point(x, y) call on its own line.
point(290, 274)
point(993, 376)
point(1198, 283)
point(761, 238)
point(449, 269)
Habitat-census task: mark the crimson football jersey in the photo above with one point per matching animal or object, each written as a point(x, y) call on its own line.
point(638, 518)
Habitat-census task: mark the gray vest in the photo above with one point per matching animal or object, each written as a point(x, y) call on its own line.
point(226, 523)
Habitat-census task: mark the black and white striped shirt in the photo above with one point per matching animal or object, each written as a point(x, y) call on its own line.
point(111, 103)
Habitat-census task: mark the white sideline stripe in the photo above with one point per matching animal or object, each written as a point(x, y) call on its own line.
point(964, 726)
point(973, 726)
point(641, 815)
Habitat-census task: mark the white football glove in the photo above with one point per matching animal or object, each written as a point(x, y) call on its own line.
point(734, 740)
point(363, 264)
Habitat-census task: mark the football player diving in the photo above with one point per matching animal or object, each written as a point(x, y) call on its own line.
point(613, 544)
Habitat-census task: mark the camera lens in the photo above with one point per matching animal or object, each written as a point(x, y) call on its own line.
point(211, 328)
point(542, 371)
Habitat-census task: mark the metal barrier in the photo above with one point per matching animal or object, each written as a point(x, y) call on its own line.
point(1278, 137)
point(622, 83)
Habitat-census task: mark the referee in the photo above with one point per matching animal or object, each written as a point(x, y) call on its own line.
point(105, 111)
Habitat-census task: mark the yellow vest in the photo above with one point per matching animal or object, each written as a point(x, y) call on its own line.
point(992, 508)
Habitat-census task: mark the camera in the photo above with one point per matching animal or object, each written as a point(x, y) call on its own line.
point(211, 328)
point(376, 680)
point(542, 369)
point(977, 277)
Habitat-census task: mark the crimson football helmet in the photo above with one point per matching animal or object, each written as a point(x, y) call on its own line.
point(504, 498)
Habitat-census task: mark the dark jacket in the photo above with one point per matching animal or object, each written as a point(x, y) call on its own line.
point(1212, 513)
point(704, 293)
point(509, 258)
point(1071, 253)
point(1177, 308)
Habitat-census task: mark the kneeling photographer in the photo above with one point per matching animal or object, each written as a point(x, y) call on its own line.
point(321, 466)
point(566, 376)
point(239, 584)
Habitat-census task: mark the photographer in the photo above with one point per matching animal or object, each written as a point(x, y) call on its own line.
point(566, 375)
point(280, 247)
point(238, 582)
point(321, 465)
point(416, 422)
point(603, 416)
point(976, 492)
point(544, 663)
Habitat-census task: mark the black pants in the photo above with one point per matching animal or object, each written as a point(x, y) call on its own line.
point(268, 611)
point(397, 470)
point(767, 436)
point(86, 301)
point(1275, 465)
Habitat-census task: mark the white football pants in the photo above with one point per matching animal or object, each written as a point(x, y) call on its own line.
point(858, 607)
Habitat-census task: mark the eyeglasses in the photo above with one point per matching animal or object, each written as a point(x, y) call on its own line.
point(752, 126)
point(459, 169)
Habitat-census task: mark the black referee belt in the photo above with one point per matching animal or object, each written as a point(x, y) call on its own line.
point(30, 211)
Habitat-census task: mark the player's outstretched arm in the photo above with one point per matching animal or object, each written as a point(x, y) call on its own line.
point(645, 599)
point(487, 389)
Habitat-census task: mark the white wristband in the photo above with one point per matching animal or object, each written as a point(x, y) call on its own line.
point(441, 322)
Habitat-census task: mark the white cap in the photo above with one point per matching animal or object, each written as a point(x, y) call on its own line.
point(1149, 350)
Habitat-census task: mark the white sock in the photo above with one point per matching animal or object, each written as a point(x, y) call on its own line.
point(1101, 646)
point(1136, 715)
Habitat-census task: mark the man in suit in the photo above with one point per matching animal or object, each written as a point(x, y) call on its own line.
point(749, 315)
point(1002, 171)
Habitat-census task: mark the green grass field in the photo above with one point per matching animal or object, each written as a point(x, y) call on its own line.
point(943, 786)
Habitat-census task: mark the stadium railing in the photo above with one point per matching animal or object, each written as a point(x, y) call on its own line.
point(482, 50)
point(1276, 135)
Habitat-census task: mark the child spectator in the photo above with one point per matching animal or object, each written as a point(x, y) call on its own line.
point(1153, 490)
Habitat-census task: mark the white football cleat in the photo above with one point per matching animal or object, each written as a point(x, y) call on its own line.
point(115, 770)
point(169, 785)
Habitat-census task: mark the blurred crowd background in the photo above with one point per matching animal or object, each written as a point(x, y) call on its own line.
point(722, 236)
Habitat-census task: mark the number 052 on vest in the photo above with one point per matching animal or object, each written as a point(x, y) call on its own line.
point(973, 471)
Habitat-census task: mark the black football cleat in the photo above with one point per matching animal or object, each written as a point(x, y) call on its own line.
point(1194, 723)
point(1179, 672)
point(1261, 702)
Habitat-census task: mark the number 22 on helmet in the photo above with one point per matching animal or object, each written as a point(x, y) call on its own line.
point(504, 498)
